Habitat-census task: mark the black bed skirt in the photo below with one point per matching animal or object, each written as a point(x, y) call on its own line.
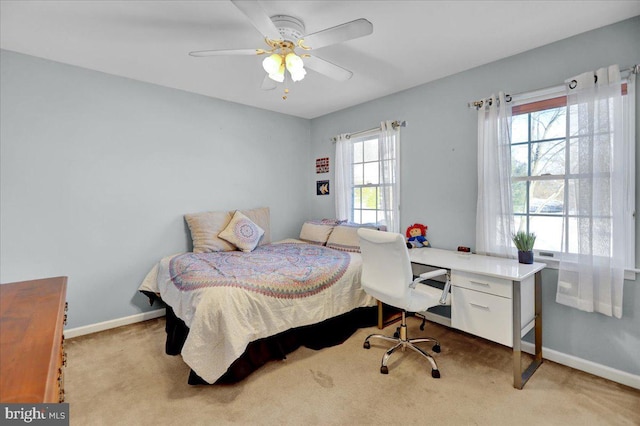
point(330, 332)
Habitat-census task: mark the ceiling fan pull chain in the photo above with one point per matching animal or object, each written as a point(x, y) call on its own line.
point(287, 81)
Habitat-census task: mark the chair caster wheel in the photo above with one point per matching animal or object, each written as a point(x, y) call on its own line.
point(421, 327)
point(385, 370)
point(436, 348)
point(397, 333)
point(435, 374)
point(366, 345)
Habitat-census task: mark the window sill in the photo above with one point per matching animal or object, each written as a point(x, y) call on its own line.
point(629, 274)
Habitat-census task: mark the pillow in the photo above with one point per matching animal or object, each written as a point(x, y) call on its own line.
point(345, 237)
point(242, 232)
point(316, 232)
point(260, 217)
point(205, 227)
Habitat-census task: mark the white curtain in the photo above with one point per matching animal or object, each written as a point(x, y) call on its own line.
point(389, 155)
point(344, 178)
point(494, 214)
point(593, 279)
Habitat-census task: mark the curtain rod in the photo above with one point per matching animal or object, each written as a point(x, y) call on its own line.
point(634, 69)
point(395, 124)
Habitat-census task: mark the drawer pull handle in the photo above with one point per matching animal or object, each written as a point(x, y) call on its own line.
point(486, 308)
point(480, 283)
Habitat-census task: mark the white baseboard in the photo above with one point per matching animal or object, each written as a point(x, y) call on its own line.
point(118, 322)
point(591, 367)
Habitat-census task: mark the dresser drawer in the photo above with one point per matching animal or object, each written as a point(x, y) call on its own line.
point(483, 283)
point(482, 314)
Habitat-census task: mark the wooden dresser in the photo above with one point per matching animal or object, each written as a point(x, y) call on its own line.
point(32, 357)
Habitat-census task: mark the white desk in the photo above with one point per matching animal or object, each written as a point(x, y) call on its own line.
point(494, 298)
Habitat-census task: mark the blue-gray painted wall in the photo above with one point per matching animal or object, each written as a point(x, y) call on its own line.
point(97, 171)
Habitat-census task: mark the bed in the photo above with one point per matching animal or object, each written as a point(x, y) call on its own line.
point(231, 311)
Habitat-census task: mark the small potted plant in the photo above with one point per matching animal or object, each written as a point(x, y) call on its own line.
point(524, 243)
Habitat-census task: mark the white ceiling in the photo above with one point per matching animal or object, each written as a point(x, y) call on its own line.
point(413, 42)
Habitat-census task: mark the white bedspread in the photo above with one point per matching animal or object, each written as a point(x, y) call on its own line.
point(223, 320)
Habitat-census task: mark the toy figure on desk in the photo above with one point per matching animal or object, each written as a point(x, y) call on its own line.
point(416, 236)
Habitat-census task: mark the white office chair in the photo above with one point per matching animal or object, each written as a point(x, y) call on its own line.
point(387, 276)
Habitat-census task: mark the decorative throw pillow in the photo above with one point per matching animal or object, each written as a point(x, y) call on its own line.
point(260, 216)
point(242, 232)
point(205, 227)
point(316, 232)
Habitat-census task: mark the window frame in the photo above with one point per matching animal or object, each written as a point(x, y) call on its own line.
point(379, 210)
point(537, 101)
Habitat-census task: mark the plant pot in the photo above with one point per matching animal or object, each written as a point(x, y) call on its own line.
point(525, 257)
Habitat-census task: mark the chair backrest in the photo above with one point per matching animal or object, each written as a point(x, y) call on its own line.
point(386, 268)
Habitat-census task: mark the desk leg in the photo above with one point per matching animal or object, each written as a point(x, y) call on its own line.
point(519, 377)
point(388, 319)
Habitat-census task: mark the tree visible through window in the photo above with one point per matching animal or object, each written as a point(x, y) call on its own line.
point(544, 172)
point(538, 168)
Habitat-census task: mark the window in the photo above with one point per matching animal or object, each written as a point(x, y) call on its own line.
point(538, 146)
point(368, 187)
point(368, 176)
point(544, 172)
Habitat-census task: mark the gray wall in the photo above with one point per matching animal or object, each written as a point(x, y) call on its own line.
point(439, 169)
point(97, 172)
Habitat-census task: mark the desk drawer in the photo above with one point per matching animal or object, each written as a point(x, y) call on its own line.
point(483, 283)
point(482, 314)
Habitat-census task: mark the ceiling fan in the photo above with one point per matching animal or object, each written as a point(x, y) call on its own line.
point(283, 35)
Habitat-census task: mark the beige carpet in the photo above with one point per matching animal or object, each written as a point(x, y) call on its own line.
point(123, 377)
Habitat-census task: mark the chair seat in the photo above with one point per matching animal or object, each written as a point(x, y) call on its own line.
point(421, 298)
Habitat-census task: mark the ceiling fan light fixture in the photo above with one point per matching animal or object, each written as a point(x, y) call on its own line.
point(294, 62)
point(295, 66)
point(272, 63)
point(278, 75)
point(298, 75)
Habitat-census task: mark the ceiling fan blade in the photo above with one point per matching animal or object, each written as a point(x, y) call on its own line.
point(327, 68)
point(347, 31)
point(258, 17)
point(267, 83)
point(225, 52)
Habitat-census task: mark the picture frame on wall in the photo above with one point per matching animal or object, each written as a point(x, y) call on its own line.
point(322, 187)
point(322, 165)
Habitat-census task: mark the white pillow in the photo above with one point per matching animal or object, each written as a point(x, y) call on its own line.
point(345, 237)
point(205, 227)
point(315, 232)
point(242, 232)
